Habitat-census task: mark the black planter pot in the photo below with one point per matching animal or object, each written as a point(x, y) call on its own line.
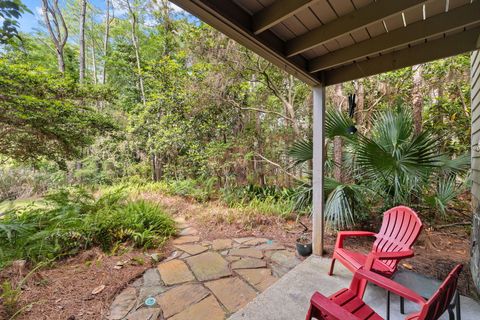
point(304, 249)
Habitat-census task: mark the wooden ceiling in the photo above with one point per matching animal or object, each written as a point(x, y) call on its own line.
point(332, 41)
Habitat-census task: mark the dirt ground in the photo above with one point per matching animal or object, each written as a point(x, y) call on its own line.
point(64, 291)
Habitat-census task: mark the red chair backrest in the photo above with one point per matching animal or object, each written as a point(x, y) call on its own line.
point(440, 300)
point(400, 229)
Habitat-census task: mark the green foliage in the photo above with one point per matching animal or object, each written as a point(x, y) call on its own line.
point(445, 193)
point(21, 182)
point(391, 166)
point(301, 151)
point(75, 220)
point(394, 160)
point(40, 115)
point(10, 12)
point(143, 223)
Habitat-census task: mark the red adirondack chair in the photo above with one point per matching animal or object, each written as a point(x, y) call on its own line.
point(400, 229)
point(347, 304)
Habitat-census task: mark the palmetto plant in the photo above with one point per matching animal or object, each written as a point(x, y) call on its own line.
point(389, 166)
point(393, 160)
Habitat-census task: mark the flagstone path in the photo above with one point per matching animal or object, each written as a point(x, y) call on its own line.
point(204, 280)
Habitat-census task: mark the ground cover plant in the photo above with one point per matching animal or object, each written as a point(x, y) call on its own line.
point(74, 220)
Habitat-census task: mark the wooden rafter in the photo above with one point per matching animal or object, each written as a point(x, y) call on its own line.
point(353, 21)
point(445, 22)
point(444, 47)
point(235, 22)
point(276, 13)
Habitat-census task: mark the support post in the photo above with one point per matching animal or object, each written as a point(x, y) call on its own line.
point(318, 168)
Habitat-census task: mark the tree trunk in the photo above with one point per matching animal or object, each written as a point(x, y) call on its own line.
point(57, 28)
point(339, 100)
point(94, 63)
point(105, 41)
point(133, 23)
point(259, 167)
point(81, 65)
point(417, 98)
point(60, 61)
point(360, 112)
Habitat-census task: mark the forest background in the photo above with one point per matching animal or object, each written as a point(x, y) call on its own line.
point(140, 94)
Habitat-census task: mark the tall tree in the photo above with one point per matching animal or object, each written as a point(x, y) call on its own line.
point(81, 57)
point(360, 112)
point(417, 98)
point(57, 28)
point(106, 39)
point(136, 46)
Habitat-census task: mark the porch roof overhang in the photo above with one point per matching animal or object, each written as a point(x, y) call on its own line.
point(333, 41)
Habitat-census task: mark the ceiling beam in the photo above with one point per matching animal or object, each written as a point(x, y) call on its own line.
point(230, 19)
point(276, 13)
point(448, 46)
point(441, 23)
point(353, 21)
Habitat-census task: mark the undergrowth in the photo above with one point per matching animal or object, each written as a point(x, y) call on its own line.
point(73, 220)
point(251, 199)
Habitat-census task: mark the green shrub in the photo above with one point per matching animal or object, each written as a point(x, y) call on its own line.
point(73, 220)
point(143, 223)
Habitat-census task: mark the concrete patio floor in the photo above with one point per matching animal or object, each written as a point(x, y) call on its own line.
point(288, 298)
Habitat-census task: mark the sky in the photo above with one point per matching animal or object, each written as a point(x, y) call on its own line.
point(30, 22)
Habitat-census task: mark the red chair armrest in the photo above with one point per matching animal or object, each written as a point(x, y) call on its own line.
point(344, 234)
point(330, 308)
point(392, 255)
point(390, 285)
point(372, 256)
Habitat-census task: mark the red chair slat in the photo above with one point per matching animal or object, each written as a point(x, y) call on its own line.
point(348, 304)
point(400, 229)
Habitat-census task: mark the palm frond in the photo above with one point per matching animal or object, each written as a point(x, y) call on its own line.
point(337, 124)
point(454, 166)
point(302, 151)
point(391, 129)
point(447, 191)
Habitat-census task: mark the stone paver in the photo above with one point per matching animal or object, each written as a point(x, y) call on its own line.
point(179, 298)
point(232, 258)
point(208, 266)
point(233, 293)
point(270, 246)
point(191, 249)
point(249, 263)
point(146, 292)
point(283, 261)
point(174, 272)
point(259, 278)
point(221, 244)
point(188, 232)
point(255, 241)
point(203, 279)
point(242, 240)
point(186, 239)
point(184, 255)
point(151, 277)
point(144, 314)
point(207, 309)
point(123, 303)
point(247, 252)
